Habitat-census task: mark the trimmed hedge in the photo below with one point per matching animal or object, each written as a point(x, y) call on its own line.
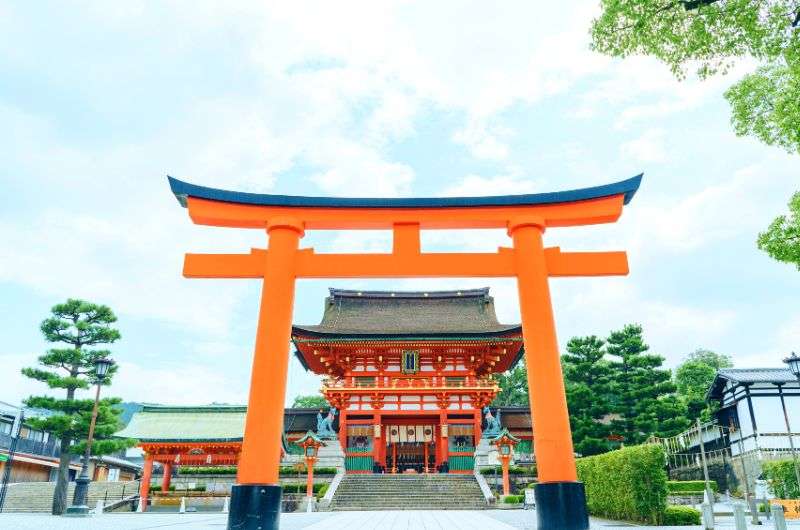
point(681, 516)
point(301, 488)
point(231, 470)
point(690, 486)
point(781, 480)
point(627, 484)
point(293, 472)
point(512, 470)
point(513, 499)
point(207, 470)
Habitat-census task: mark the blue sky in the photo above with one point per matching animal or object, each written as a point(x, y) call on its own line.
point(98, 102)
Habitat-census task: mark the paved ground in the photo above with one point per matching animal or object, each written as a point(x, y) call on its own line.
point(389, 520)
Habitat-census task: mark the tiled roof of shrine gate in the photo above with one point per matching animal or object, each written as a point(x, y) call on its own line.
point(182, 190)
point(396, 314)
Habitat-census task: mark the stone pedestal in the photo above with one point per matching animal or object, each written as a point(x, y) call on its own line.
point(331, 455)
point(486, 455)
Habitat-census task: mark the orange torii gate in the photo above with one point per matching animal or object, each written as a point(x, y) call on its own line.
point(255, 501)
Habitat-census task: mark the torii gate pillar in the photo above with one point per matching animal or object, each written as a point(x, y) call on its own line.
point(256, 499)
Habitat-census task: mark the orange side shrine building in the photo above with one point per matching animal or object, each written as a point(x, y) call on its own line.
point(409, 374)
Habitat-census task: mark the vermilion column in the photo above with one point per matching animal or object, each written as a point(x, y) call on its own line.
point(554, 453)
point(144, 485)
point(560, 499)
point(167, 478)
point(261, 447)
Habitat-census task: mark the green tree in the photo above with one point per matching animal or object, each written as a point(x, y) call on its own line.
point(643, 392)
point(782, 239)
point(513, 387)
point(694, 376)
point(713, 34)
point(80, 326)
point(315, 401)
point(588, 381)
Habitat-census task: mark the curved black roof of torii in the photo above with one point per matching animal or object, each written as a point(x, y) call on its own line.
point(182, 190)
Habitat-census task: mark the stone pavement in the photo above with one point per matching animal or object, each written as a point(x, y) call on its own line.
point(386, 520)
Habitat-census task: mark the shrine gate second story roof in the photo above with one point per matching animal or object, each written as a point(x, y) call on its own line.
point(401, 314)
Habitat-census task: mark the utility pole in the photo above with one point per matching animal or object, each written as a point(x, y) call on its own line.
point(709, 491)
point(750, 502)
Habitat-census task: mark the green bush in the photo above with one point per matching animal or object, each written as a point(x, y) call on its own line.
point(513, 499)
point(207, 470)
point(627, 484)
point(301, 488)
point(512, 470)
point(681, 516)
point(287, 471)
point(322, 491)
point(690, 486)
point(781, 480)
point(158, 487)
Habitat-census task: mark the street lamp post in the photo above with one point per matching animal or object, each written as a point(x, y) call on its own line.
point(793, 361)
point(79, 508)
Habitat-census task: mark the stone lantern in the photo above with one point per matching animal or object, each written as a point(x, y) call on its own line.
point(505, 443)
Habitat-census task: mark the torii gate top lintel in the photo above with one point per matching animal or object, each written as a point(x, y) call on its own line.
point(217, 207)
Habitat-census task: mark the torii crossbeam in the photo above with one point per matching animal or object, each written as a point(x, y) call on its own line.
point(255, 501)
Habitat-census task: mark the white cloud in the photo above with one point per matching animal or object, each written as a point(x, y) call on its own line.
point(647, 148)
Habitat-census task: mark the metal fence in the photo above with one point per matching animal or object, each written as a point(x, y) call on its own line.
point(51, 448)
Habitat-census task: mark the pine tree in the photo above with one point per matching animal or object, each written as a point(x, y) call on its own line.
point(513, 387)
point(643, 392)
point(80, 326)
point(587, 377)
point(694, 376)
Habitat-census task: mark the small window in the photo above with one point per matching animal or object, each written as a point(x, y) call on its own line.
point(410, 361)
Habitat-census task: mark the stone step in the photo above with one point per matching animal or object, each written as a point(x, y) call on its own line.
point(408, 492)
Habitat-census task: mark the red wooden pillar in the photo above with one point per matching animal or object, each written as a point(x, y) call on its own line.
point(377, 441)
point(144, 486)
point(343, 429)
point(477, 426)
point(167, 478)
point(441, 440)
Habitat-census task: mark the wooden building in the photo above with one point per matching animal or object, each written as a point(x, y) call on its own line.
point(409, 373)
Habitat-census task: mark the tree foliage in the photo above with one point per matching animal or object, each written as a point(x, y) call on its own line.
point(712, 35)
point(315, 401)
point(782, 239)
point(513, 387)
point(643, 394)
point(694, 376)
point(588, 380)
point(81, 328)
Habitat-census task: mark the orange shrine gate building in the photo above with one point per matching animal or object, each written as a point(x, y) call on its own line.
point(409, 373)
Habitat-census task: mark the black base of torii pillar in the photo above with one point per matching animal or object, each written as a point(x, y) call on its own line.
point(255, 507)
point(561, 506)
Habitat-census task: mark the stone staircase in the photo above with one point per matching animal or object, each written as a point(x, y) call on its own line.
point(408, 492)
point(38, 496)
